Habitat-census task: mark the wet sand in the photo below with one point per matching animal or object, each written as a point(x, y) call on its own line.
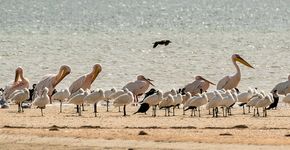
point(110, 130)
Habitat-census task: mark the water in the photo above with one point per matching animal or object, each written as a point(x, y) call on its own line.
point(42, 35)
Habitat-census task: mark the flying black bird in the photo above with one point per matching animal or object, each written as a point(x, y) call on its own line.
point(163, 42)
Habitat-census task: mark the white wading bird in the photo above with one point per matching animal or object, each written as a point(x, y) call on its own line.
point(78, 100)
point(177, 101)
point(42, 100)
point(61, 96)
point(263, 103)
point(138, 87)
point(50, 81)
point(152, 100)
point(124, 100)
point(108, 93)
point(19, 83)
point(232, 81)
point(196, 102)
point(94, 98)
point(20, 97)
point(117, 94)
point(282, 88)
point(200, 83)
point(166, 103)
point(214, 103)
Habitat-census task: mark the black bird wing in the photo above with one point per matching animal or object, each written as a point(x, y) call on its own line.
point(143, 108)
point(155, 44)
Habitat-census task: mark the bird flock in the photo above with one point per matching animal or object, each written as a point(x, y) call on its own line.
point(193, 96)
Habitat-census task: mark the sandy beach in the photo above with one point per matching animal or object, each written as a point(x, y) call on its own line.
point(110, 130)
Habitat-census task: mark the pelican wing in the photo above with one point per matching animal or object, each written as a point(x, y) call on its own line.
point(77, 84)
point(223, 82)
point(193, 87)
point(282, 88)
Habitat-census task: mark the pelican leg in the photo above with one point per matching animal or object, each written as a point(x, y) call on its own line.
point(60, 106)
point(124, 110)
point(254, 112)
point(168, 111)
point(77, 108)
point(209, 112)
point(265, 112)
point(258, 112)
point(213, 112)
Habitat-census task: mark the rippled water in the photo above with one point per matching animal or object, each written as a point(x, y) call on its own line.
point(42, 35)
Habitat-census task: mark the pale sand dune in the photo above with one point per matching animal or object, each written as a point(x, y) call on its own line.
point(112, 130)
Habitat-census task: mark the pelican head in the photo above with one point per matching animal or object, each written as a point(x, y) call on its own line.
point(237, 57)
point(96, 70)
point(64, 70)
point(141, 77)
point(201, 78)
point(18, 72)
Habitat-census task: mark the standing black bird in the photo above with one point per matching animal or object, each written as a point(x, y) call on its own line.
point(163, 42)
point(276, 100)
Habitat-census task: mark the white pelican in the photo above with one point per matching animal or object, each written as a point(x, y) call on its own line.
point(61, 96)
point(282, 88)
point(286, 99)
point(78, 100)
point(124, 100)
point(50, 81)
point(166, 103)
point(42, 100)
point(138, 87)
point(86, 80)
point(20, 97)
point(19, 83)
point(200, 84)
point(232, 81)
point(94, 98)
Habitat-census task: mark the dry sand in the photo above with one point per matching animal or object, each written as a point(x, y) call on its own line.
point(110, 130)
